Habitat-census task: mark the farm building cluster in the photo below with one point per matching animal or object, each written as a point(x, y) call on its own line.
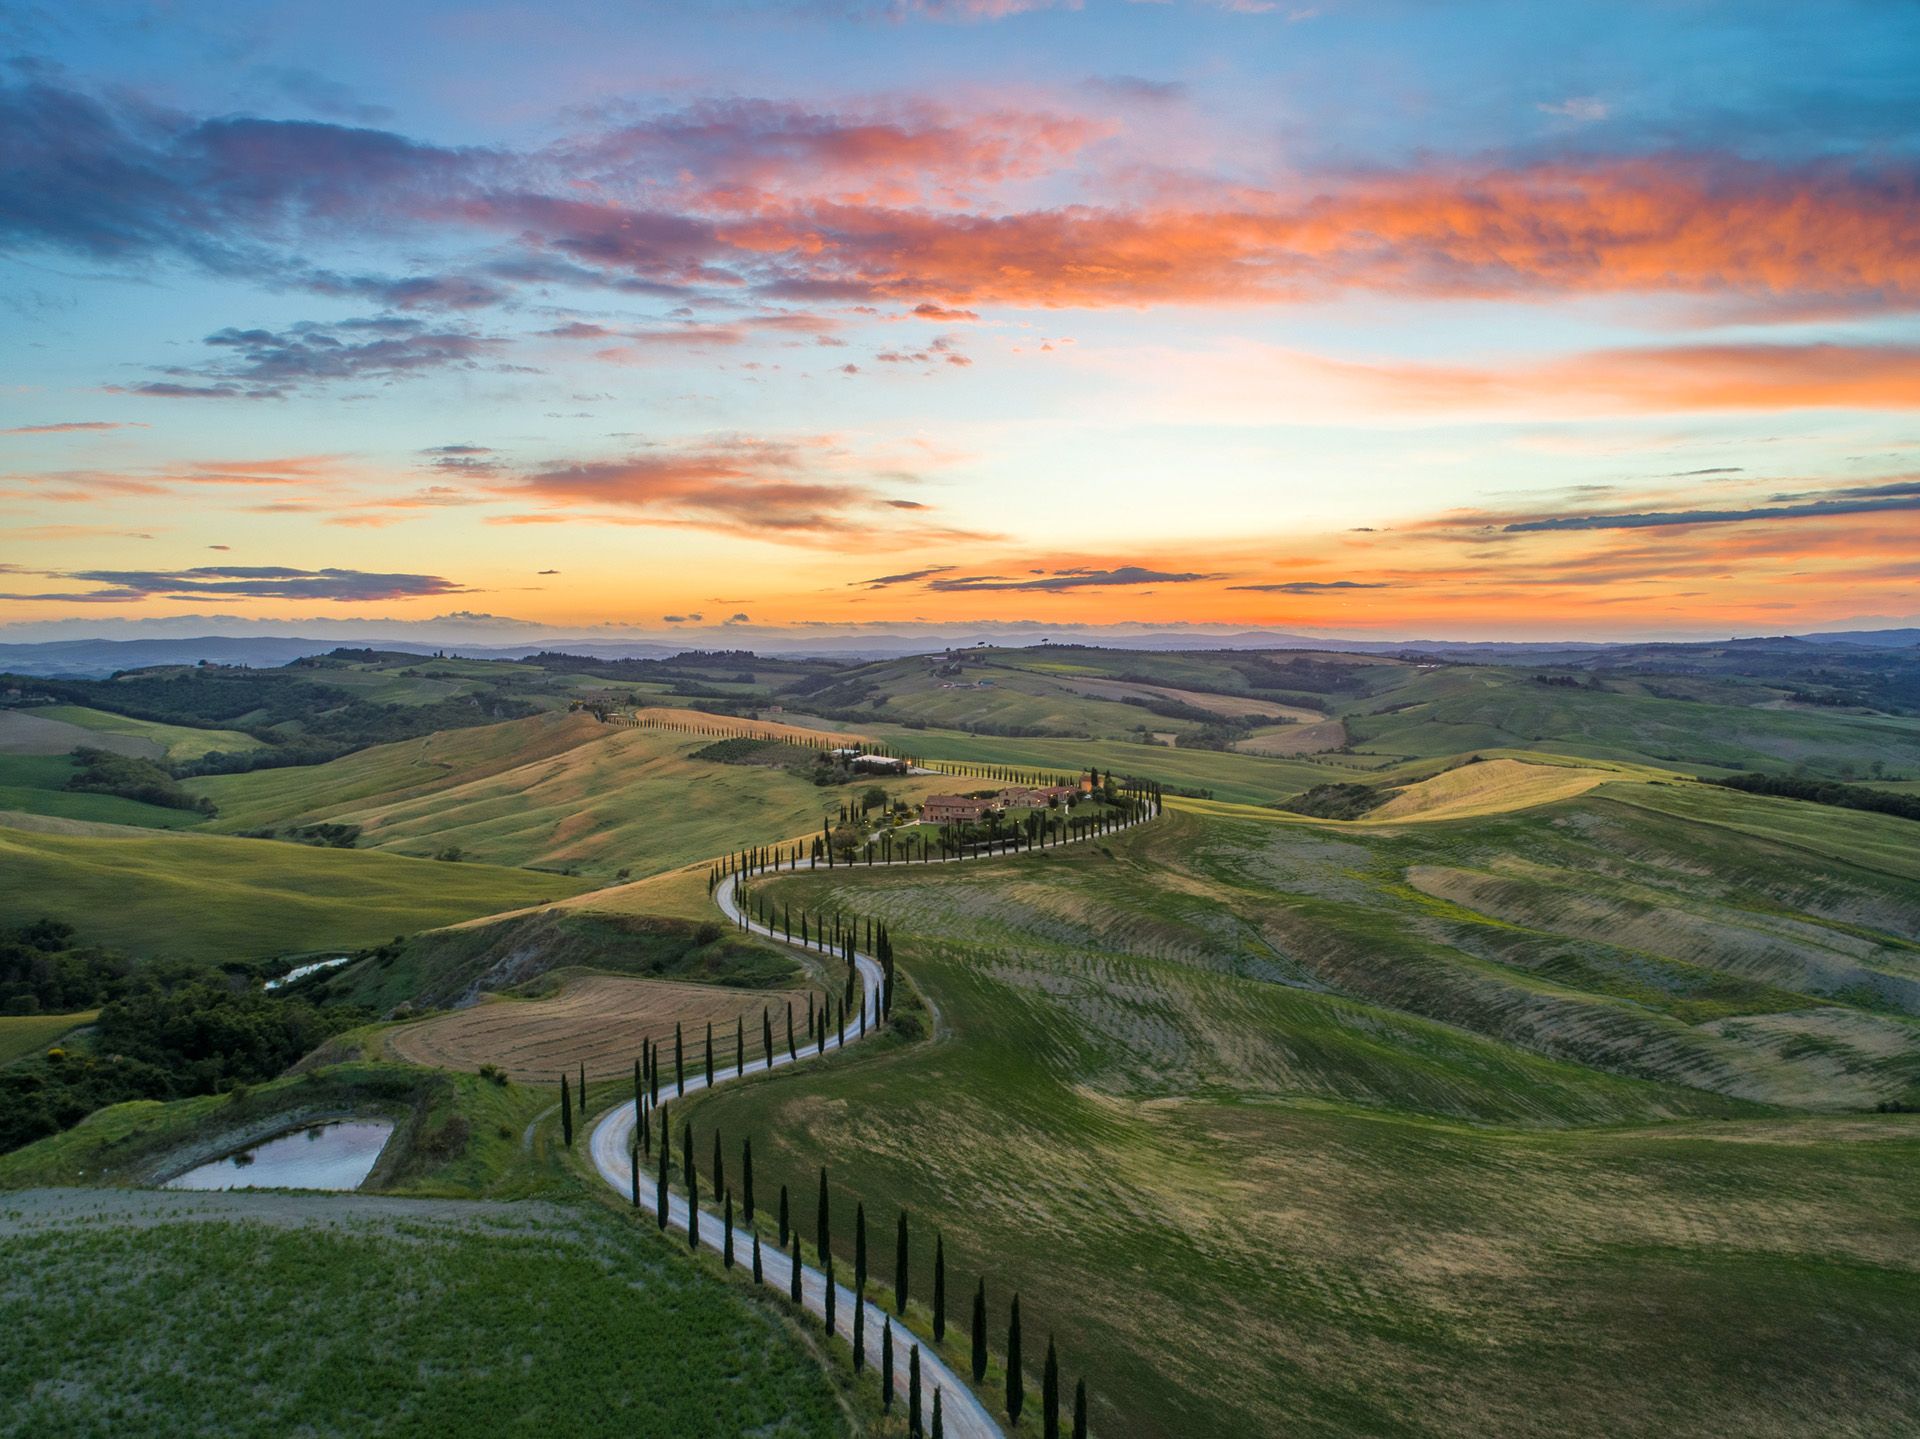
point(971, 809)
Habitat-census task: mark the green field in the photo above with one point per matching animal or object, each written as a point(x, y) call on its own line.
point(555, 791)
point(1520, 1154)
point(34, 784)
point(175, 742)
point(274, 1315)
point(24, 1034)
point(212, 897)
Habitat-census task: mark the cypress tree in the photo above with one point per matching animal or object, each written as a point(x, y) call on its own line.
point(886, 1367)
point(660, 1188)
point(739, 1045)
point(829, 1298)
point(693, 1188)
point(1016, 1387)
point(746, 1176)
point(793, 1282)
point(679, 1068)
point(939, 1288)
point(980, 1332)
point(719, 1169)
point(633, 1157)
point(859, 1328)
point(913, 1394)
point(1050, 1395)
point(783, 1216)
point(766, 1035)
point(900, 1267)
point(939, 1428)
point(1080, 1410)
point(583, 1090)
point(566, 1113)
point(792, 1053)
point(726, 1251)
point(823, 1223)
point(709, 1054)
point(758, 1277)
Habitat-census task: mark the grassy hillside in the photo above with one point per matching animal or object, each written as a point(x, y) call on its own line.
point(1458, 709)
point(1290, 1210)
point(274, 1314)
point(36, 784)
point(212, 897)
point(171, 742)
point(24, 1034)
point(555, 791)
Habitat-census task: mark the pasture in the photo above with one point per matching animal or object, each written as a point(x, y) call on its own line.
point(24, 1034)
point(595, 1020)
point(1464, 1196)
point(213, 897)
point(171, 1314)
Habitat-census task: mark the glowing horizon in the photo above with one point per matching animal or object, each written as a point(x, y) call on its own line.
point(1370, 319)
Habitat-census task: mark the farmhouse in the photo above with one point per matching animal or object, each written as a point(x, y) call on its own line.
point(956, 809)
point(1039, 796)
point(879, 764)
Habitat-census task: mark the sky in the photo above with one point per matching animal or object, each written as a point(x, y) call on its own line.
point(1360, 318)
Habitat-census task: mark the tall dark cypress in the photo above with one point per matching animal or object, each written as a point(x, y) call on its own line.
point(913, 1395)
point(823, 1222)
point(719, 1167)
point(859, 1328)
point(939, 1430)
point(709, 1054)
point(1050, 1394)
point(583, 1090)
point(679, 1065)
point(886, 1367)
point(900, 1267)
point(766, 1035)
point(739, 1045)
point(1080, 1410)
point(633, 1158)
point(793, 1281)
point(566, 1113)
point(660, 1205)
point(692, 1172)
point(746, 1177)
point(758, 1277)
point(829, 1297)
point(1016, 1385)
point(939, 1289)
point(792, 1053)
point(783, 1216)
point(980, 1332)
point(726, 1249)
point(860, 1246)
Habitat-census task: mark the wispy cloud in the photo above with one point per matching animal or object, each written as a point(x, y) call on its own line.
point(1060, 581)
point(237, 582)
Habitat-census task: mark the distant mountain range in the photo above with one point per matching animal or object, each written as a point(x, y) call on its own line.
point(94, 658)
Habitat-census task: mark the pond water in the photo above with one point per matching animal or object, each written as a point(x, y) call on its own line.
point(321, 1156)
point(306, 969)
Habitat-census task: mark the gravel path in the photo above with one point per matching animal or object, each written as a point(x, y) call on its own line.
point(611, 1143)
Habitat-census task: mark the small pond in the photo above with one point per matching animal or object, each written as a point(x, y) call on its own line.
point(322, 1156)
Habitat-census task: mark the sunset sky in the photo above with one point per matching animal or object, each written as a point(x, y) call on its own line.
point(1382, 319)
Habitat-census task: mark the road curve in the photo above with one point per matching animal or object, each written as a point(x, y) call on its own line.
point(962, 1413)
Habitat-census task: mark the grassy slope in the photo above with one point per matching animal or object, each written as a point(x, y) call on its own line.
point(1127, 1096)
point(176, 742)
point(555, 790)
point(547, 1323)
point(1459, 709)
point(213, 897)
point(33, 784)
point(24, 1034)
